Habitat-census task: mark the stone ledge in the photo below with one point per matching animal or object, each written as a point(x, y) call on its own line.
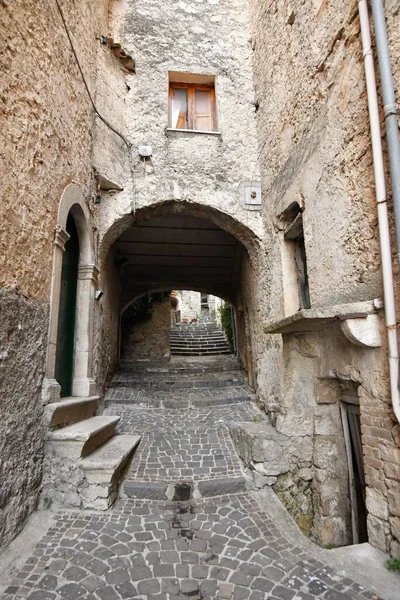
point(314, 319)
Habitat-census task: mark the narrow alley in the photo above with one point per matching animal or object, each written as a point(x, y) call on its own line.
point(185, 525)
point(199, 300)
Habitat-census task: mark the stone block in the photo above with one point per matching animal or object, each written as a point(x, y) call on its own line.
point(325, 425)
point(146, 490)
point(325, 452)
point(394, 500)
point(395, 527)
point(377, 504)
point(378, 533)
point(261, 481)
point(260, 443)
point(327, 392)
point(395, 549)
point(219, 487)
point(392, 471)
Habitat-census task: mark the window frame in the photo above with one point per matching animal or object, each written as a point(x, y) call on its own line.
point(191, 103)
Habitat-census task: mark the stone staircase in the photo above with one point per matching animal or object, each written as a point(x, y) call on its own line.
point(185, 382)
point(198, 339)
point(182, 409)
point(84, 459)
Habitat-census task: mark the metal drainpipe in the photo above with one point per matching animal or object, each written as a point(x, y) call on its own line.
point(383, 221)
point(389, 109)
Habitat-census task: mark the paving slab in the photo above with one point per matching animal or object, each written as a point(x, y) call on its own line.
point(215, 540)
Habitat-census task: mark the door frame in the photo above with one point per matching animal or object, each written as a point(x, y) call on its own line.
point(72, 202)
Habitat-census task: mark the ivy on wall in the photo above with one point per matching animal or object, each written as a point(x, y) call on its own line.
point(141, 309)
point(226, 323)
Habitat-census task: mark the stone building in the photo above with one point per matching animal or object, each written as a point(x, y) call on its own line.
point(218, 146)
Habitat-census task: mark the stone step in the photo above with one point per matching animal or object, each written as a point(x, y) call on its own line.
point(197, 353)
point(198, 344)
point(179, 375)
point(150, 370)
point(160, 490)
point(186, 340)
point(198, 340)
point(196, 333)
point(70, 410)
point(177, 385)
point(80, 439)
point(103, 471)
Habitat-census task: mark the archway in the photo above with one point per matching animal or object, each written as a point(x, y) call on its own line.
point(178, 246)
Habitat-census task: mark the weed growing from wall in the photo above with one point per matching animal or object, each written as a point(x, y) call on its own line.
point(226, 323)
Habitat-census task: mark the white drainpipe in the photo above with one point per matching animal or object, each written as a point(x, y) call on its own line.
point(383, 221)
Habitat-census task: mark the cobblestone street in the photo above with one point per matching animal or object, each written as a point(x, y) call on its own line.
point(219, 542)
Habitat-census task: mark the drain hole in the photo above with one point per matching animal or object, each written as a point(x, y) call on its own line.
point(183, 492)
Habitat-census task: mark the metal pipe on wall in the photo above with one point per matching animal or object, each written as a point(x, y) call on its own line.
point(389, 109)
point(383, 220)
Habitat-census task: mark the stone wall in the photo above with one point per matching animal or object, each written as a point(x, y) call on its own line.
point(189, 304)
point(315, 151)
point(23, 328)
point(46, 123)
point(203, 168)
point(148, 339)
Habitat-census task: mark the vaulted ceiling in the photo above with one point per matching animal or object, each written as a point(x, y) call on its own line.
point(178, 252)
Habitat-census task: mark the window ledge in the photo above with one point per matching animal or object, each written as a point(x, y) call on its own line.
point(171, 130)
point(314, 319)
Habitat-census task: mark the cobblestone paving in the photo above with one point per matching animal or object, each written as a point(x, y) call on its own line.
point(223, 547)
point(183, 444)
point(183, 398)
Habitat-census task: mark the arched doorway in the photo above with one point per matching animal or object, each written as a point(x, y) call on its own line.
point(67, 310)
point(73, 285)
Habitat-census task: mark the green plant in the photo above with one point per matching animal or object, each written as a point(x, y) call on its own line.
point(393, 565)
point(141, 309)
point(226, 323)
point(258, 418)
point(329, 546)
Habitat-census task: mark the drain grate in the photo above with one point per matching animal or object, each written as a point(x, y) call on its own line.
point(183, 492)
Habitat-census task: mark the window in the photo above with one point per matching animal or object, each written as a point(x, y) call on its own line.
point(295, 237)
point(192, 106)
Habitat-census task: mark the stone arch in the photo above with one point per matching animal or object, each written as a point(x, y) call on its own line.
point(72, 203)
point(242, 232)
point(127, 302)
point(247, 255)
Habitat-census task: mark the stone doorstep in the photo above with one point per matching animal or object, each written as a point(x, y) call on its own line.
point(102, 464)
point(70, 410)
point(84, 437)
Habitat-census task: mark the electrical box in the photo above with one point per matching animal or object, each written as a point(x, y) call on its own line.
point(145, 151)
point(252, 194)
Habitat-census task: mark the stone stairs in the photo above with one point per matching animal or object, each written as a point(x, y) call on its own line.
point(184, 382)
point(197, 339)
point(84, 458)
point(183, 410)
